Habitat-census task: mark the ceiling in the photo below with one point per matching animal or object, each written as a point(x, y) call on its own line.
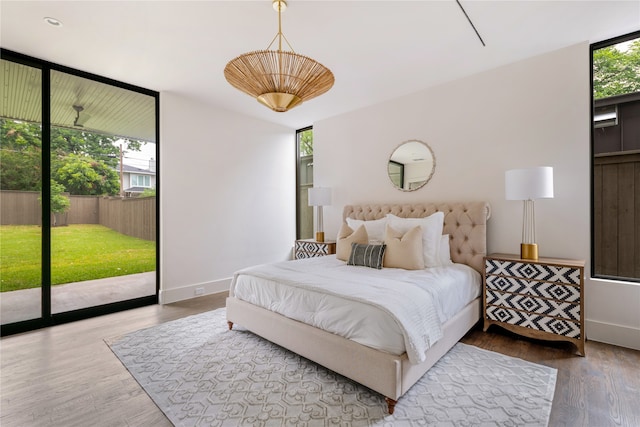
point(77, 103)
point(377, 50)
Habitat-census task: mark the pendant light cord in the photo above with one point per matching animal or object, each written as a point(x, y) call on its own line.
point(280, 35)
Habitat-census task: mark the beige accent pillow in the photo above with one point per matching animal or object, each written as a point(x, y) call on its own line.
point(346, 236)
point(431, 232)
point(404, 250)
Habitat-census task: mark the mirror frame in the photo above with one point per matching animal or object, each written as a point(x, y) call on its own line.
point(430, 175)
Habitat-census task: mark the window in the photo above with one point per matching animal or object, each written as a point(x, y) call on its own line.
point(396, 173)
point(140, 181)
point(304, 181)
point(63, 220)
point(615, 151)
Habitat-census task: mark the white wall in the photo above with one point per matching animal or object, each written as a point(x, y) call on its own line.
point(532, 113)
point(227, 195)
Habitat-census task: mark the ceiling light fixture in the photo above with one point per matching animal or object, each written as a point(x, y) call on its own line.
point(52, 21)
point(80, 121)
point(278, 79)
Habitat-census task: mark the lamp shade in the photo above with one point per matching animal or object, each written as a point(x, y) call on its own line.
point(319, 196)
point(278, 79)
point(529, 184)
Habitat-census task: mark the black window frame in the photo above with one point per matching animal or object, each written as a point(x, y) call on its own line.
point(298, 183)
point(48, 319)
point(592, 149)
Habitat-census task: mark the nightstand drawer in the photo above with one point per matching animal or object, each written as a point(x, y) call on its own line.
point(534, 271)
point(530, 304)
point(303, 254)
point(551, 290)
point(535, 322)
point(311, 249)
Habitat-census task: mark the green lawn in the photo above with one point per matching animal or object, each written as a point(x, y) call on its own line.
point(78, 253)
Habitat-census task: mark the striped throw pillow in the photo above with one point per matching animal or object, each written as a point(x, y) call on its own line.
point(367, 255)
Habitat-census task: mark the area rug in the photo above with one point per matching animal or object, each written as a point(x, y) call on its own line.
point(201, 374)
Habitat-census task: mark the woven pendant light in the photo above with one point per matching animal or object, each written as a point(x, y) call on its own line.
point(278, 79)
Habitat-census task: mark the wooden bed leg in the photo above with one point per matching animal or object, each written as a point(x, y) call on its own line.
point(391, 404)
point(230, 325)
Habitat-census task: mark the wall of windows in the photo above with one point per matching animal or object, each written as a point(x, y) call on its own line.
point(66, 233)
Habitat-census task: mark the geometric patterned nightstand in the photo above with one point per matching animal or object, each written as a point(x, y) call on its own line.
point(309, 248)
point(542, 299)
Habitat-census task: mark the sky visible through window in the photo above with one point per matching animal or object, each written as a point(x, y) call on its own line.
point(139, 159)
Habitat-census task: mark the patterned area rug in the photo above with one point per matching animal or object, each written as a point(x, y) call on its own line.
point(201, 374)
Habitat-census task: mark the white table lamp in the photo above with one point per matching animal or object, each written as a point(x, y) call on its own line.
point(319, 197)
point(528, 185)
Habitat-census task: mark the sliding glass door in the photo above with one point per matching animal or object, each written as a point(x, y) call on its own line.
point(79, 195)
point(102, 225)
point(21, 233)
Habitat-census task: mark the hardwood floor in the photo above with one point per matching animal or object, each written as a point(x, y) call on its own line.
point(67, 376)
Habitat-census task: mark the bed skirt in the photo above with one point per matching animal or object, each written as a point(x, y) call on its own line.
point(385, 373)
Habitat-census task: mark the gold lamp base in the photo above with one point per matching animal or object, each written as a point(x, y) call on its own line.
point(529, 251)
point(319, 236)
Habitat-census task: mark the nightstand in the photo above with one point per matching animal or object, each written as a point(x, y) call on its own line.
point(542, 299)
point(310, 248)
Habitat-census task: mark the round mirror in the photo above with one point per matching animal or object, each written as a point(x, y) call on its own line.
point(411, 165)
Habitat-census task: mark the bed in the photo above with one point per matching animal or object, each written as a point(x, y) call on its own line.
point(388, 371)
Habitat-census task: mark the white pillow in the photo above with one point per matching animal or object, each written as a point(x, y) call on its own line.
point(431, 233)
point(375, 228)
point(444, 253)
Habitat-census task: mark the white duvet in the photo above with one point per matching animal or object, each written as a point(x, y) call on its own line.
point(392, 310)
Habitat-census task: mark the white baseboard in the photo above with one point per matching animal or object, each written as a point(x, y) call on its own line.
point(609, 333)
point(192, 291)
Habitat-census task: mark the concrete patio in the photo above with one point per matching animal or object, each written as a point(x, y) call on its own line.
point(25, 304)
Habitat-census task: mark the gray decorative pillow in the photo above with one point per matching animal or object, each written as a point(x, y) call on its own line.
point(367, 255)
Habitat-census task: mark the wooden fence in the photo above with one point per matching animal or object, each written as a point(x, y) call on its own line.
point(20, 208)
point(617, 214)
point(306, 212)
point(83, 210)
point(134, 217)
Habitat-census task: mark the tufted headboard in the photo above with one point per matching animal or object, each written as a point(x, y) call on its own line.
point(464, 222)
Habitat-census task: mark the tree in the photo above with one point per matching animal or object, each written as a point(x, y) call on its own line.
point(21, 153)
point(20, 170)
point(148, 192)
point(616, 72)
point(306, 143)
point(81, 174)
point(58, 202)
point(99, 147)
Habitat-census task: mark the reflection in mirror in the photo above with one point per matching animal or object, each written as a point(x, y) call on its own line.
point(411, 165)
